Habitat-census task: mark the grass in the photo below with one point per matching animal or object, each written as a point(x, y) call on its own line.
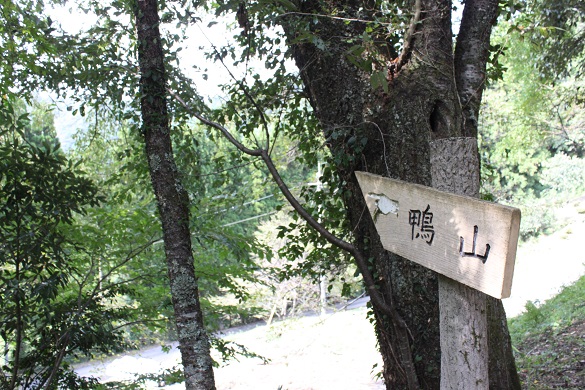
point(549, 341)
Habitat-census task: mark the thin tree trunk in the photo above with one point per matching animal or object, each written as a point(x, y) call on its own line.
point(58, 360)
point(173, 202)
point(19, 330)
point(471, 56)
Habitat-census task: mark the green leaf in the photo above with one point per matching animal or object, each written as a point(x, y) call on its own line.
point(288, 5)
point(378, 80)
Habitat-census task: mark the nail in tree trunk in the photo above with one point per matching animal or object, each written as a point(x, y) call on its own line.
point(173, 202)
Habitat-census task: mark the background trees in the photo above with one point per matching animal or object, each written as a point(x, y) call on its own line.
point(44, 315)
point(532, 123)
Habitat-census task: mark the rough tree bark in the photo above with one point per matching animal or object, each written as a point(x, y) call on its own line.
point(172, 200)
point(471, 57)
point(462, 309)
point(433, 94)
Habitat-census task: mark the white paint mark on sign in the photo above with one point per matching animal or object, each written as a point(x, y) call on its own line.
point(384, 205)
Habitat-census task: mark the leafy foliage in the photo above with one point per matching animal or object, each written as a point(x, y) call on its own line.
point(532, 133)
point(219, 186)
point(558, 32)
point(42, 319)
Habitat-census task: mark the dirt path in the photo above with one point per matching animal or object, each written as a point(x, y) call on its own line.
point(337, 351)
point(544, 266)
point(334, 352)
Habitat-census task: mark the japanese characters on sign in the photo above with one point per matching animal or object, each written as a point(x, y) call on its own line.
point(483, 257)
point(422, 227)
point(424, 224)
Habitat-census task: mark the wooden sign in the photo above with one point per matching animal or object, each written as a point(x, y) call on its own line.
point(471, 241)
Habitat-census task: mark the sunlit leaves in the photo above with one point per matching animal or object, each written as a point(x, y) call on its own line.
point(556, 28)
point(529, 128)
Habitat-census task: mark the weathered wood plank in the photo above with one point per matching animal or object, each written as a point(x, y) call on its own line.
point(466, 239)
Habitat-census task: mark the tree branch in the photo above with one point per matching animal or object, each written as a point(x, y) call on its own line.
point(471, 56)
point(243, 88)
point(408, 38)
point(375, 295)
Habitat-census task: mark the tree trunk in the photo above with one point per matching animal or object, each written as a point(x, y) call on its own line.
point(471, 57)
point(389, 133)
point(173, 202)
point(462, 309)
